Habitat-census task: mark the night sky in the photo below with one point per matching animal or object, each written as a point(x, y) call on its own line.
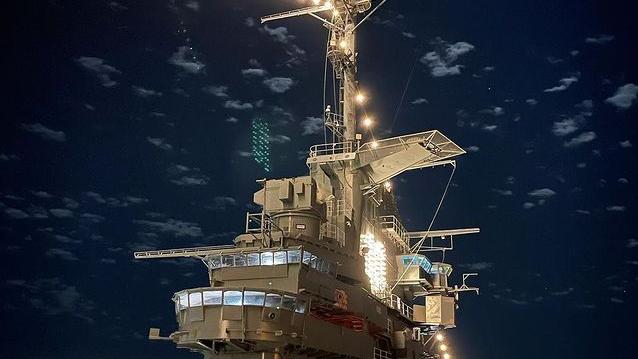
point(126, 126)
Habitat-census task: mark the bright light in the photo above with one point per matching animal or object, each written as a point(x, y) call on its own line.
point(329, 4)
point(335, 12)
point(367, 122)
point(443, 347)
point(374, 144)
point(446, 356)
point(388, 186)
point(440, 337)
point(316, 2)
point(375, 264)
point(360, 98)
point(343, 44)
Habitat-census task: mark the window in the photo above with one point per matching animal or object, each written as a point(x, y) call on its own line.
point(266, 259)
point(253, 259)
point(294, 256)
point(280, 257)
point(195, 299)
point(215, 261)
point(183, 301)
point(313, 261)
point(300, 226)
point(212, 298)
point(232, 297)
point(306, 257)
point(254, 298)
point(288, 303)
point(228, 260)
point(300, 306)
point(273, 300)
point(240, 260)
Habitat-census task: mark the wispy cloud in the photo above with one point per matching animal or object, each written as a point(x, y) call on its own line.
point(311, 126)
point(253, 72)
point(419, 101)
point(144, 92)
point(61, 254)
point(45, 132)
point(563, 85)
point(442, 61)
point(159, 143)
point(61, 213)
point(183, 59)
point(600, 39)
point(221, 203)
point(16, 213)
point(279, 139)
point(624, 97)
point(565, 127)
point(216, 90)
point(238, 105)
point(580, 139)
point(99, 69)
point(279, 84)
point(543, 193)
point(173, 227)
point(616, 208)
point(494, 111)
point(479, 266)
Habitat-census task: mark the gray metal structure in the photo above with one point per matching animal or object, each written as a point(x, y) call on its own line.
point(324, 270)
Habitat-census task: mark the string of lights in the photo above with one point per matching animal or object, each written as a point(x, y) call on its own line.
point(260, 136)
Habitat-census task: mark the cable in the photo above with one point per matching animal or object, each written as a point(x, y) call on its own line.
point(420, 243)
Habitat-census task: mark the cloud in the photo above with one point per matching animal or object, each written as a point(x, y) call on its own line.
point(115, 202)
point(250, 22)
point(528, 205)
point(600, 39)
point(441, 60)
point(99, 69)
point(221, 203)
point(562, 292)
point(173, 227)
point(565, 127)
point(254, 72)
point(625, 144)
point(542, 193)
point(419, 101)
point(232, 120)
point(312, 126)
point(489, 128)
point(472, 148)
point(494, 111)
point(189, 65)
point(409, 35)
point(45, 132)
point(61, 213)
point(280, 34)
point(61, 254)
point(616, 208)
point(10, 157)
point(159, 143)
point(145, 93)
point(279, 84)
point(16, 213)
point(580, 139)
point(531, 101)
point(279, 139)
point(503, 192)
point(632, 243)
point(238, 105)
point(624, 96)
point(477, 266)
point(193, 5)
point(564, 84)
point(216, 90)
point(191, 180)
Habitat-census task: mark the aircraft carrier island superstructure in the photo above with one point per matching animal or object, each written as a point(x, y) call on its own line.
point(326, 269)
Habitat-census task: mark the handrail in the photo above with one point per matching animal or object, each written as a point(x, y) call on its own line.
point(396, 303)
point(398, 233)
point(331, 148)
point(332, 231)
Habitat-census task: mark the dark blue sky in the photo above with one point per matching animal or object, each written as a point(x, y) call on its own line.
point(116, 136)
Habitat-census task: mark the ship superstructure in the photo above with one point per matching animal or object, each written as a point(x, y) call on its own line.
point(326, 269)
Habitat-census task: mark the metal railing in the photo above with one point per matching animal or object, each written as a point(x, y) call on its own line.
point(261, 223)
point(331, 149)
point(396, 303)
point(395, 229)
point(381, 354)
point(329, 230)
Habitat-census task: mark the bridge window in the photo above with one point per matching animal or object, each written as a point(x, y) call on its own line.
point(294, 256)
point(183, 301)
point(254, 298)
point(232, 297)
point(240, 260)
point(212, 297)
point(266, 259)
point(306, 257)
point(195, 299)
point(228, 260)
point(253, 259)
point(273, 300)
point(280, 257)
point(288, 303)
point(215, 261)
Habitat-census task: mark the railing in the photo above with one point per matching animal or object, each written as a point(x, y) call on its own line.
point(331, 149)
point(261, 223)
point(393, 226)
point(382, 354)
point(396, 303)
point(330, 230)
